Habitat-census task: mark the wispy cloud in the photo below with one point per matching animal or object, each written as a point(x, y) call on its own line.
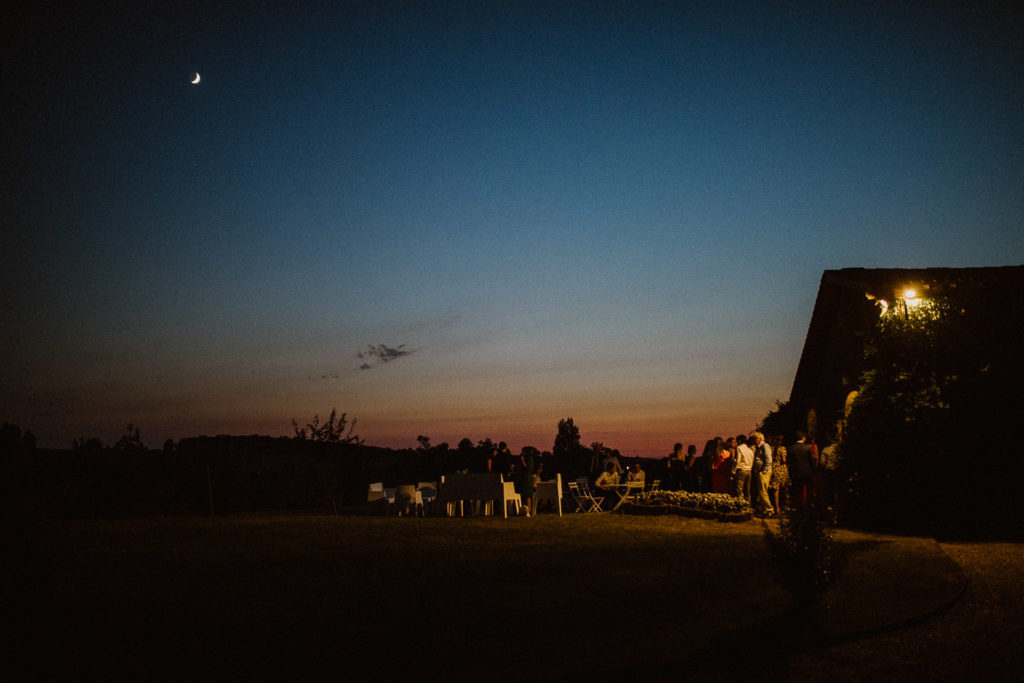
point(380, 354)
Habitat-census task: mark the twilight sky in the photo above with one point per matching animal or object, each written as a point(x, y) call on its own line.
point(474, 219)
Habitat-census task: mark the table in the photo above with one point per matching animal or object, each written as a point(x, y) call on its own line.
point(624, 491)
point(457, 488)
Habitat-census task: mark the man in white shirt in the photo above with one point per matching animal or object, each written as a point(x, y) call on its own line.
point(741, 471)
point(604, 486)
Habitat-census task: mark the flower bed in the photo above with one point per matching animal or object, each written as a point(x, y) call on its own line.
point(720, 506)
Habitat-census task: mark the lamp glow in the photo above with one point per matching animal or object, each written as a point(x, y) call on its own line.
point(910, 298)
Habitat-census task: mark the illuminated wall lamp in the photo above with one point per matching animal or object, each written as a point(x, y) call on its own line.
point(910, 298)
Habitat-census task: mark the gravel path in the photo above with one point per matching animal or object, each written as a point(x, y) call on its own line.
point(980, 637)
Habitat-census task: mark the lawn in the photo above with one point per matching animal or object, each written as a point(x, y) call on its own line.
point(311, 597)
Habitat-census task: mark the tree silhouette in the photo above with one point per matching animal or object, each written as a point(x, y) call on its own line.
point(13, 439)
point(130, 440)
point(569, 455)
point(567, 440)
point(332, 431)
point(784, 421)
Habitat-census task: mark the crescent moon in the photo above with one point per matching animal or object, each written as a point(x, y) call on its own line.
point(196, 79)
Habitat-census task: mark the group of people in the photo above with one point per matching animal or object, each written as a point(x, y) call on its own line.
point(758, 469)
point(612, 475)
point(527, 470)
point(762, 471)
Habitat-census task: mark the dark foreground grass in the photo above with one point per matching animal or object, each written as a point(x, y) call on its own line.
point(325, 597)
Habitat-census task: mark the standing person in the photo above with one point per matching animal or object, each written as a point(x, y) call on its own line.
point(828, 474)
point(676, 468)
point(760, 473)
point(730, 445)
point(526, 468)
point(741, 470)
point(690, 482)
point(610, 457)
point(801, 470)
point(722, 472)
point(504, 462)
point(706, 466)
point(778, 483)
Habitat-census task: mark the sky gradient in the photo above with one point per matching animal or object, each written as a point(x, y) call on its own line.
point(476, 219)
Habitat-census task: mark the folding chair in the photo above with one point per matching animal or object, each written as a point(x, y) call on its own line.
point(655, 484)
point(584, 487)
point(585, 502)
point(577, 497)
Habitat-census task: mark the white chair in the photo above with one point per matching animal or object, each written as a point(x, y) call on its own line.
point(655, 485)
point(408, 499)
point(585, 502)
point(511, 497)
point(549, 490)
point(597, 502)
point(428, 493)
point(376, 492)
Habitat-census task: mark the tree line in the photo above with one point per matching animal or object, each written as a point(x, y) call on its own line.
point(324, 466)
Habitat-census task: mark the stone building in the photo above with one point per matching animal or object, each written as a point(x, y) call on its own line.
point(849, 303)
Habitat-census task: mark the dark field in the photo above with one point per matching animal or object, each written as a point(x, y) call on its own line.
point(326, 597)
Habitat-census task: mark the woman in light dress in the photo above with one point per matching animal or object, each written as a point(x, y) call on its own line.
point(778, 483)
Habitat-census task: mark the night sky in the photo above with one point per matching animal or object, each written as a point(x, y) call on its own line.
point(476, 219)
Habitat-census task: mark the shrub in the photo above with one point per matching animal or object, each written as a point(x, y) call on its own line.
point(804, 551)
point(714, 502)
